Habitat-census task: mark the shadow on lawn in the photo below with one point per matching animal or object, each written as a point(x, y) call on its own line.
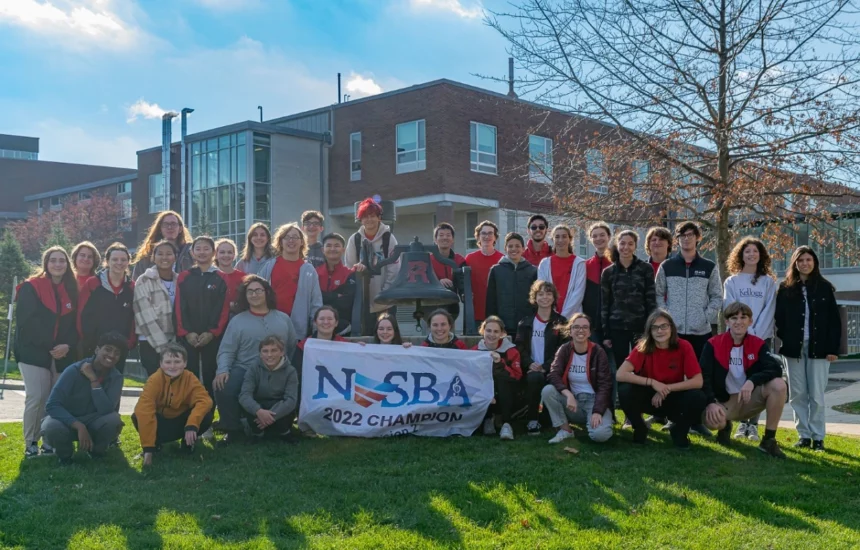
point(430, 491)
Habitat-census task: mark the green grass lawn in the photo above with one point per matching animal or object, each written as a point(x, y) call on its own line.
point(14, 374)
point(435, 493)
point(851, 408)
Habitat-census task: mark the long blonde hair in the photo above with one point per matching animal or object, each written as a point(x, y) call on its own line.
point(153, 235)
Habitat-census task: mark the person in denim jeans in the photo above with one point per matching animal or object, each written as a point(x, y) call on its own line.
point(580, 385)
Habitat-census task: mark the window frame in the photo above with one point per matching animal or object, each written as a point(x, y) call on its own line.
point(420, 162)
point(475, 165)
point(154, 201)
point(540, 171)
point(354, 175)
point(601, 189)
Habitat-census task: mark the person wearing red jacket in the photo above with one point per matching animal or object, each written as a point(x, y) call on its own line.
point(592, 303)
point(85, 261)
point(45, 339)
point(486, 233)
point(580, 385)
point(507, 373)
point(441, 334)
point(537, 248)
point(225, 255)
point(107, 304)
point(449, 277)
point(337, 281)
point(202, 310)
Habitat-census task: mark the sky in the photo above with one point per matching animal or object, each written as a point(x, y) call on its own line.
point(91, 78)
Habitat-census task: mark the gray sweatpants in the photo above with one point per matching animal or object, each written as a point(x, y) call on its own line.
point(103, 430)
point(556, 406)
point(807, 380)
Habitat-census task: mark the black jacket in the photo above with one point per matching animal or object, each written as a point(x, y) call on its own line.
point(102, 311)
point(553, 339)
point(825, 325)
point(628, 296)
point(201, 303)
point(508, 292)
point(592, 302)
point(45, 317)
point(761, 366)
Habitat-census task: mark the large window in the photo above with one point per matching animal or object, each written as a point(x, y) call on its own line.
point(124, 187)
point(641, 175)
point(482, 148)
point(218, 186)
point(262, 178)
point(540, 159)
point(594, 167)
point(157, 191)
point(411, 147)
point(355, 156)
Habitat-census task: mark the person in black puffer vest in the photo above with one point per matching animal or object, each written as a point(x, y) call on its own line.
point(509, 284)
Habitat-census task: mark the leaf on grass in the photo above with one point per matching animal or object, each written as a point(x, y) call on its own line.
point(572, 450)
point(79, 486)
point(216, 517)
point(525, 524)
point(633, 511)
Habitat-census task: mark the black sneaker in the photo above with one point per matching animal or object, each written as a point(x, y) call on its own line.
point(818, 445)
point(724, 436)
point(230, 439)
point(667, 426)
point(640, 436)
point(680, 436)
point(31, 451)
point(771, 447)
point(803, 443)
point(46, 450)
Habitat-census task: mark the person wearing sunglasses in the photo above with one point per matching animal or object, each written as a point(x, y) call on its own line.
point(661, 376)
point(537, 248)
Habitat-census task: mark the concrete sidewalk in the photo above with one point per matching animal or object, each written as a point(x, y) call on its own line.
point(837, 422)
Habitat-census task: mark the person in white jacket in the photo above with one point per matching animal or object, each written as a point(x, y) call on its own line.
point(752, 283)
point(373, 230)
point(566, 271)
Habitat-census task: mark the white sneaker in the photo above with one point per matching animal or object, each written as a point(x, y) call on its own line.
point(741, 432)
point(489, 427)
point(560, 436)
point(506, 432)
point(752, 432)
point(46, 450)
point(31, 451)
point(208, 435)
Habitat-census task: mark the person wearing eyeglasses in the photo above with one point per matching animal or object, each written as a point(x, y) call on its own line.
point(537, 248)
point(313, 224)
point(662, 376)
point(295, 281)
point(257, 319)
point(689, 287)
point(481, 261)
point(167, 226)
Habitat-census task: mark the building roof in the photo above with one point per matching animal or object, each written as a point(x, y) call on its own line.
point(21, 178)
point(19, 143)
point(82, 187)
point(266, 127)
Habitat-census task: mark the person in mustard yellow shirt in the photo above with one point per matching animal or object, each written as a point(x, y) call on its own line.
point(173, 405)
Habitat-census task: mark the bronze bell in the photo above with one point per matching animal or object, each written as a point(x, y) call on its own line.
point(416, 282)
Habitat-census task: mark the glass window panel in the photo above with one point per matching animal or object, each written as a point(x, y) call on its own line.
point(261, 164)
point(224, 142)
point(355, 146)
point(195, 148)
point(406, 137)
point(240, 195)
point(224, 204)
point(240, 138)
point(212, 169)
point(223, 229)
point(421, 154)
point(234, 167)
point(211, 206)
point(262, 202)
point(224, 167)
point(406, 157)
point(486, 138)
point(262, 139)
point(421, 138)
point(211, 145)
point(241, 164)
point(473, 136)
point(195, 172)
point(196, 206)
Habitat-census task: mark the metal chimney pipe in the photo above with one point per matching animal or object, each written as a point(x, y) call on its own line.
point(338, 88)
point(260, 107)
point(166, 138)
point(511, 92)
point(183, 176)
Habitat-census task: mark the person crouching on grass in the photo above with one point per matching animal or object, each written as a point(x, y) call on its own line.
point(661, 376)
point(173, 405)
point(506, 374)
point(580, 385)
point(742, 379)
point(270, 392)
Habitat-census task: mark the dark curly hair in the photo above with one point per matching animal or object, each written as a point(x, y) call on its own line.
point(242, 296)
point(736, 259)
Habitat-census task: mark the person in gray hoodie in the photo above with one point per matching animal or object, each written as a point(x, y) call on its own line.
point(382, 243)
point(752, 283)
point(270, 391)
point(295, 282)
point(240, 348)
point(258, 249)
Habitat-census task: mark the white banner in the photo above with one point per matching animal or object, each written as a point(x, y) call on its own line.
point(386, 390)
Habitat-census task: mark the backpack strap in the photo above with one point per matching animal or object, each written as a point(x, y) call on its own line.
point(386, 242)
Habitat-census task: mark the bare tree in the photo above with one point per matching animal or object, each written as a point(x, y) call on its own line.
point(728, 112)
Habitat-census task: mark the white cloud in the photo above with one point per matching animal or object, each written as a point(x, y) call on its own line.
point(453, 6)
point(76, 23)
point(143, 109)
point(359, 86)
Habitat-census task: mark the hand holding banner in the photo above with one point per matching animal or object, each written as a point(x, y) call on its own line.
point(385, 390)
